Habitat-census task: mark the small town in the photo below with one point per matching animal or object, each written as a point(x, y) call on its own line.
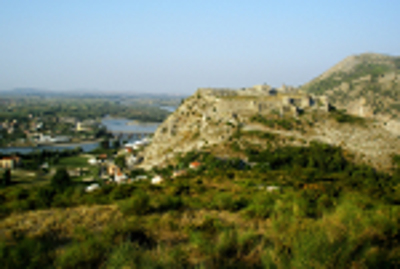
point(37, 131)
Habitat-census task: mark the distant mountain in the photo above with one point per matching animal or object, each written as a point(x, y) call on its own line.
point(366, 84)
point(87, 93)
point(26, 92)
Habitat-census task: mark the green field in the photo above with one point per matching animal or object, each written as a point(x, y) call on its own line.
point(75, 161)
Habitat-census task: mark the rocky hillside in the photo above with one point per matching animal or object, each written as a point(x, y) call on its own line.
point(367, 85)
point(230, 122)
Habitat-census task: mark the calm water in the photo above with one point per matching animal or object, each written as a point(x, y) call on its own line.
point(86, 147)
point(168, 108)
point(113, 125)
point(121, 125)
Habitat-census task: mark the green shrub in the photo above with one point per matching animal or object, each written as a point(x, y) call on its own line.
point(167, 203)
point(86, 254)
point(312, 248)
point(128, 255)
point(138, 204)
point(61, 179)
point(42, 197)
point(261, 206)
point(227, 201)
point(209, 227)
point(6, 179)
point(17, 193)
point(121, 192)
point(26, 253)
point(342, 117)
point(273, 123)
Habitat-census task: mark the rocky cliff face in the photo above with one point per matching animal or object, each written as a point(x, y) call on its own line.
point(215, 119)
point(202, 120)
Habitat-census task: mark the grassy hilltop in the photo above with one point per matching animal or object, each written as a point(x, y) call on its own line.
point(373, 79)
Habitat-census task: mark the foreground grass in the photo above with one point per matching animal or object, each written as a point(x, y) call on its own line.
point(353, 234)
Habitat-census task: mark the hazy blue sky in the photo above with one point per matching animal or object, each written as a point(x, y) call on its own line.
point(178, 46)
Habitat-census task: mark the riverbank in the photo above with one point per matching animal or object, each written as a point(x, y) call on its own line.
point(33, 145)
point(86, 146)
point(142, 123)
point(70, 144)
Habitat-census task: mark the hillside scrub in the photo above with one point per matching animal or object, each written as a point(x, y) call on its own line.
point(342, 117)
point(324, 212)
point(286, 124)
point(361, 70)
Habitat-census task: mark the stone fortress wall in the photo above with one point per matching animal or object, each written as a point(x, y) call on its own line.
point(286, 100)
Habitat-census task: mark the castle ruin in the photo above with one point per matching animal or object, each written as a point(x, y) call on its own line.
point(263, 98)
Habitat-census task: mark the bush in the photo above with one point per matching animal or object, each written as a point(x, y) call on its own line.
point(6, 179)
point(261, 206)
point(342, 117)
point(226, 201)
point(25, 253)
point(139, 204)
point(125, 255)
point(121, 192)
point(166, 203)
point(87, 254)
point(42, 197)
point(61, 180)
point(313, 248)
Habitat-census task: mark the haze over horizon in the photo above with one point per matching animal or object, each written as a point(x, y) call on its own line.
point(177, 46)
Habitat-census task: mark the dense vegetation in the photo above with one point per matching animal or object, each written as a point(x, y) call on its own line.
point(287, 207)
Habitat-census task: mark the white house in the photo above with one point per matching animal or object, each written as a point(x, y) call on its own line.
point(157, 180)
point(120, 177)
point(130, 160)
point(92, 187)
point(92, 161)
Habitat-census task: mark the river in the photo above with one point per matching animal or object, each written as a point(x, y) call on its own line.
point(113, 125)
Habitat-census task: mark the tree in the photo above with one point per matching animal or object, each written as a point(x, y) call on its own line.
point(6, 179)
point(120, 161)
point(105, 144)
point(116, 144)
point(61, 179)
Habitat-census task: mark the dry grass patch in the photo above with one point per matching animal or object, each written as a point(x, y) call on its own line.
point(62, 222)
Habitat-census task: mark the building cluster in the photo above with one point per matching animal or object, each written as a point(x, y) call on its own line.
point(8, 126)
point(110, 171)
point(48, 139)
point(45, 130)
